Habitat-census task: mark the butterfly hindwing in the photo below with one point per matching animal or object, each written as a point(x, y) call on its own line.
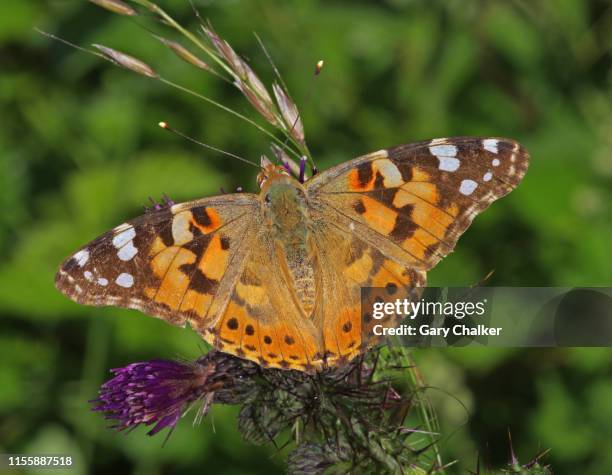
point(169, 263)
point(261, 320)
point(414, 201)
point(350, 264)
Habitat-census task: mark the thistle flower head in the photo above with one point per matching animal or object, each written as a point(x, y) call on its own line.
point(158, 392)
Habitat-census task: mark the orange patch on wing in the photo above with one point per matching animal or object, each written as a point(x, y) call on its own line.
point(432, 220)
point(252, 293)
point(355, 183)
point(202, 305)
point(348, 331)
point(418, 242)
point(420, 175)
point(150, 292)
point(427, 216)
point(390, 273)
point(157, 246)
point(271, 349)
point(230, 327)
point(285, 347)
point(426, 191)
point(161, 262)
point(378, 216)
point(213, 217)
point(214, 260)
point(250, 342)
point(453, 209)
point(195, 301)
point(295, 346)
point(175, 282)
point(359, 270)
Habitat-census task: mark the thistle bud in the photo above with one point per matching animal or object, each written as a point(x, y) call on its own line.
point(126, 61)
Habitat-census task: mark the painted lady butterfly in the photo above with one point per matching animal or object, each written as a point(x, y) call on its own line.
point(276, 277)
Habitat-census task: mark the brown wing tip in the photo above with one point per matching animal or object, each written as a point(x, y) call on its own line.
point(68, 286)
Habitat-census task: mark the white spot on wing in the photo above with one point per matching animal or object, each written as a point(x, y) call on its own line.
point(125, 280)
point(82, 257)
point(443, 150)
point(446, 155)
point(352, 226)
point(124, 237)
point(391, 174)
point(490, 145)
point(448, 164)
point(180, 228)
point(467, 187)
point(495, 162)
point(127, 252)
point(103, 282)
point(88, 275)
point(487, 176)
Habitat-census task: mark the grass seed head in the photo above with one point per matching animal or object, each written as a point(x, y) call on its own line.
point(291, 116)
point(184, 54)
point(115, 6)
point(126, 61)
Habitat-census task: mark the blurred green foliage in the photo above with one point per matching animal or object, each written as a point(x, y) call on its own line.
point(80, 152)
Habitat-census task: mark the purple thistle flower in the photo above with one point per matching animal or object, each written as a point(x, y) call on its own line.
point(153, 392)
point(160, 391)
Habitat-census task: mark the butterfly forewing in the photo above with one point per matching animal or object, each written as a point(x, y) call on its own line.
point(414, 201)
point(168, 263)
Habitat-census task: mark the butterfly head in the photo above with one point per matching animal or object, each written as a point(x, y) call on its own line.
point(282, 196)
point(271, 173)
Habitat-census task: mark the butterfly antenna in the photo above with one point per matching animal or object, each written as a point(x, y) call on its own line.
point(165, 126)
point(317, 71)
point(271, 61)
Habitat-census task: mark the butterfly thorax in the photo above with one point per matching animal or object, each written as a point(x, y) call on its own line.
point(286, 215)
